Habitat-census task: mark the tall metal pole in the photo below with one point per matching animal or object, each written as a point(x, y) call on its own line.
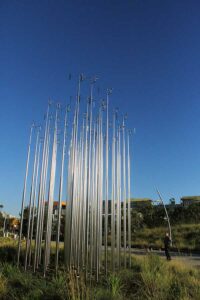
point(34, 204)
point(119, 223)
point(85, 180)
point(50, 196)
point(61, 188)
point(43, 203)
point(124, 190)
point(166, 213)
point(41, 188)
point(31, 201)
point(106, 186)
point(129, 198)
point(88, 182)
point(69, 253)
point(80, 197)
point(24, 196)
point(100, 185)
point(113, 212)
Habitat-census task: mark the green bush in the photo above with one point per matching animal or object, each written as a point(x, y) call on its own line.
point(3, 286)
point(154, 278)
point(130, 280)
point(8, 253)
point(185, 283)
point(115, 286)
point(20, 285)
point(102, 294)
point(185, 237)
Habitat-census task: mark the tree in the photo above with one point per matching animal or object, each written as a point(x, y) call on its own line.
point(172, 201)
point(137, 220)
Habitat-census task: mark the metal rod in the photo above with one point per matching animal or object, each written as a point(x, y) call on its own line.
point(106, 190)
point(166, 213)
point(41, 186)
point(113, 211)
point(24, 196)
point(60, 189)
point(34, 204)
point(31, 201)
point(129, 198)
point(124, 190)
point(47, 247)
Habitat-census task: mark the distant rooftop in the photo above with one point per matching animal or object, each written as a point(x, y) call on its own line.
point(8, 216)
point(190, 198)
point(56, 203)
point(141, 200)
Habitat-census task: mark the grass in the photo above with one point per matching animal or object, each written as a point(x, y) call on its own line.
point(8, 249)
point(186, 237)
point(150, 278)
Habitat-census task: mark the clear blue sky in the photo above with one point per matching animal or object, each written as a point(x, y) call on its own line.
point(147, 50)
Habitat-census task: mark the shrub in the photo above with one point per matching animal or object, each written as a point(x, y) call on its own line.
point(56, 288)
point(8, 253)
point(20, 285)
point(115, 286)
point(185, 282)
point(102, 294)
point(76, 287)
point(154, 278)
point(130, 280)
point(3, 287)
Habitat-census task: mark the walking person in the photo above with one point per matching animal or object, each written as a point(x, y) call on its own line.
point(167, 243)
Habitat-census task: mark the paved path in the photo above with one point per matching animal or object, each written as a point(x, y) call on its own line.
point(192, 260)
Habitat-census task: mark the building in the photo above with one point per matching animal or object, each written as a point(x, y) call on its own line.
point(134, 203)
point(9, 223)
point(141, 202)
point(55, 218)
point(56, 207)
point(188, 200)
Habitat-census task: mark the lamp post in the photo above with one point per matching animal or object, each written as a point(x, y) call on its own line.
point(1, 206)
point(4, 226)
point(5, 216)
point(166, 213)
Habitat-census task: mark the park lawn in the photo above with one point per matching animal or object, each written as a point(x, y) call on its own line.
point(185, 237)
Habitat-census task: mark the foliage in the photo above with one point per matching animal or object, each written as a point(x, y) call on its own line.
point(155, 215)
point(185, 237)
point(8, 249)
point(115, 286)
point(77, 289)
point(3, 286)
point(154, 278)
point(149, 278)
point(137, 220)
point(102, 294)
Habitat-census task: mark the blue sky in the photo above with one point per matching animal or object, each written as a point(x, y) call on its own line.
point(148, 51)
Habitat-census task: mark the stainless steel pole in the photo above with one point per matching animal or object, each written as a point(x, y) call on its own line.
point(61, 189)
point(166, 213)
point(31, 201)
point(24, 196)
point(129, 199)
